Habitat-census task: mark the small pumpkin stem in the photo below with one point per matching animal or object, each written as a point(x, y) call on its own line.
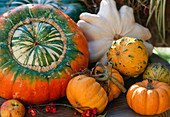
point(105, 78)
point(100, 77)
point(107, 75)
point(83, 72)
point(114, 80)
point(149, 84)
point(118, 84)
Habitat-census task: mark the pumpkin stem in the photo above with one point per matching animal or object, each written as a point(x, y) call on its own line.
point(114, 80)
point(118, 52)
point(36, 43)
point(149, 84)
point(107, 75)
point(83, 72)
point(117, 36)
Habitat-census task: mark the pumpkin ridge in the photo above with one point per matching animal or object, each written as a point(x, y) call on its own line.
point(5, 64)
point(142, 96)
point(9, 88)
point(146, 96)
point(6, 18)
point(16, 75)
point(91, 89)
point(162, 109)
point(134, 91)
point(103, 94)
point(158, 101)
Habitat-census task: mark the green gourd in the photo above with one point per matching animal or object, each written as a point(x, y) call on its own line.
point(157, 71)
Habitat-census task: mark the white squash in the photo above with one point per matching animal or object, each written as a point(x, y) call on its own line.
point(110, 24)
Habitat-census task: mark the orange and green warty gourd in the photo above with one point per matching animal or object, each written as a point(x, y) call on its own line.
point(129, 56)
point(40, 47)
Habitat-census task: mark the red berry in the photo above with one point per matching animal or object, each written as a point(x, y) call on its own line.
point(84, 114)
point(94, 111)
point(51, 107)
point(53, 110)
point(32, 111)
point(33, 114)
point(47, 108)
point(88, 113)
point(92, 115)
point(75, 113)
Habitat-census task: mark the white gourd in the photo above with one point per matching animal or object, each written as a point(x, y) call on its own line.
point(109, 24)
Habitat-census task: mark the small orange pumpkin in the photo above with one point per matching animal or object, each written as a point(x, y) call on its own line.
point(83, 91)
point(149, 97)
point(129, 56)
point(111, 85)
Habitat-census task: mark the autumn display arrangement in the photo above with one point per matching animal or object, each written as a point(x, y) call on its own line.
point(54, 49)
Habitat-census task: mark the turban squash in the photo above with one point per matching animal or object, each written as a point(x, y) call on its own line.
point(40, 47)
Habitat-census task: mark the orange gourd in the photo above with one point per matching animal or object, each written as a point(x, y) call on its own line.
point(149, 97)
point(129, 56)
point(84, 92)
point(114, 85)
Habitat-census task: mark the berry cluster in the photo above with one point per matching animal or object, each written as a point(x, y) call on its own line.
point(90, 113)
point(50, 108)
point(32, 111)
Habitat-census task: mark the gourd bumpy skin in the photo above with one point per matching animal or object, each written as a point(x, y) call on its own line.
point(40, 47)
point(129, 56)
point(110, 24)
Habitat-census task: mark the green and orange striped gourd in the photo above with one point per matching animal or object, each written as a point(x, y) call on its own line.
point(40, 47)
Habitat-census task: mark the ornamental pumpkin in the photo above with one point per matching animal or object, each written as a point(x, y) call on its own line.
point(149, 97)
point(40, 47)
point(129, 56)
point(157, 71)
point(110, 24)
point(114, 85)
point(84, 92)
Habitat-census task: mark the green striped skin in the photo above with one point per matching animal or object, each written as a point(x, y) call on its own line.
point(46, 50)
point(157, 71)
point(27, 54)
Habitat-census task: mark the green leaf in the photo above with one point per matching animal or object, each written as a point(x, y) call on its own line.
point(163, 52)
point(102, 115)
